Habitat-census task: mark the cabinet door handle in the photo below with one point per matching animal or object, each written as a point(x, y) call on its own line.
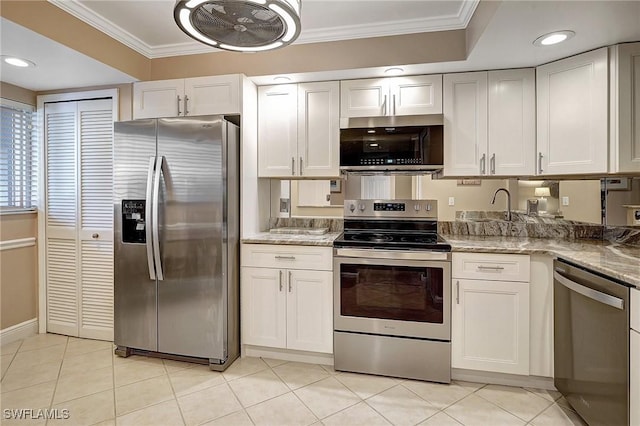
point(540, 162)
point(492, 268)
point(186, 108)
point(457, 292)
point(483, 160)
point(300, 166)
point(285, 257)
point(384, 106)
point(179, 112)
point(280, 279)
point(394, 104)
point(289, 281)
point(95, 236)
point(493, 164)
point(293, 166)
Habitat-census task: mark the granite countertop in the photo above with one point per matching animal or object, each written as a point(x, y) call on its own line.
point(615, 260)
point(298, 239)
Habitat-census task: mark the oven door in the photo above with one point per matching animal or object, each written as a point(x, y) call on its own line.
point(394, 297)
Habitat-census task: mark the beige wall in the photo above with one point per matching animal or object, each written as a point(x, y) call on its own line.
point(584, 200)
point(18, 94)
point(419, 48)
point(467, 197)
point(18, 271)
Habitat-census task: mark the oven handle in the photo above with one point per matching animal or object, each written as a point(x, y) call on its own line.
point(598, 296)
point(393, 255)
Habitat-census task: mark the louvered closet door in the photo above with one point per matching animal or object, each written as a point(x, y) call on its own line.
point(95, 131)
point(79, 218)
point(61, 218)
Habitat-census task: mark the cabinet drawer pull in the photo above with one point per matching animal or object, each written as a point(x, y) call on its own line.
point(280, 279)
point(457, 292)
point(286, 257)
point(491, 268)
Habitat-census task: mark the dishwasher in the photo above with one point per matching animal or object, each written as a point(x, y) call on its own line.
point(591, 343)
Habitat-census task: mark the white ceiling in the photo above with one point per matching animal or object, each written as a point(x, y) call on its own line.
point(505, 43)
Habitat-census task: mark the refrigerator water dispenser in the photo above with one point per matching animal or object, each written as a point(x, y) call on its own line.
point(133, 222)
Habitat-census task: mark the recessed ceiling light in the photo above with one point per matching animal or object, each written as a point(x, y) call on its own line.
point(281, 78)
point(17, 62)
point(553, 38)
point(394, 71)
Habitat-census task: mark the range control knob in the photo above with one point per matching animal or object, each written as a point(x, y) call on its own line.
point(352, 207)
point(361, 207)
point(428, 208)
point(416, 207)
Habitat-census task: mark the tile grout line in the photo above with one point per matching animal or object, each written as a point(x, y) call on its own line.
point(55, 388)
point(175, 396)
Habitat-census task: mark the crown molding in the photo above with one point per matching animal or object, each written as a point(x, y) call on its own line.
point(456, 21)
point(87, 15)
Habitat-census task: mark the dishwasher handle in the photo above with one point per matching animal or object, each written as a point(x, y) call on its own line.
point(596, 295)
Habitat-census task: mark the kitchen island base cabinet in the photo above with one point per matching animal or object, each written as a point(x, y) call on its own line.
point(286, 300)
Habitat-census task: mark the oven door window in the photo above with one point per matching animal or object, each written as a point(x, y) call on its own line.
point(400, 293)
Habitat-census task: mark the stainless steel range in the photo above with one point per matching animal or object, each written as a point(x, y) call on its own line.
point(392, 295)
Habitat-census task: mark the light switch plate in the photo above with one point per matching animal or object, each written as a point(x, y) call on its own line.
point(565, 201)
point(452, 201)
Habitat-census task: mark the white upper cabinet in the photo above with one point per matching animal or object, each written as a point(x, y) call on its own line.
point(154, 99)
point(299, 130)
point(277, 130)
point(625, 108)
point(319, 129)
point(465, 124)
point(190, 96)
point(572, 112)
point(489, 123)
point(391, 96)
point(512, 123)
point(212, 95)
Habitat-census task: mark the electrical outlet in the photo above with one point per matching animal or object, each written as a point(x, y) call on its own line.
point(565, 201)
point(452, 201)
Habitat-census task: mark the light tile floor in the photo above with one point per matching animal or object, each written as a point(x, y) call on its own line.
point(97, 387)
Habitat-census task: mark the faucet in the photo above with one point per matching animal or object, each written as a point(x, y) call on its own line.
point(508, 201)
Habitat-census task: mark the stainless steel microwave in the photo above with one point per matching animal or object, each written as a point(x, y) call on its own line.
point(402, 148)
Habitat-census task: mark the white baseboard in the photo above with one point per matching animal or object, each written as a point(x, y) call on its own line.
point(19, 331)
point(491, 378)
point(287, 355)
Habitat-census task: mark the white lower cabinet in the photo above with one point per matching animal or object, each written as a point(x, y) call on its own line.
point(490, 317)
point(286, 308)
point(634, 356)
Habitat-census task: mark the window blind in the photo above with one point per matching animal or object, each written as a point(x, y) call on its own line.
point(18, 157)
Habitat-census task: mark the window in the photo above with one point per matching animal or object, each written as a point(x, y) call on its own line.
point(18, 157)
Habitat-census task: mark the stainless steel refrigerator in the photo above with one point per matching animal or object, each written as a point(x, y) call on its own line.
point(176, 270)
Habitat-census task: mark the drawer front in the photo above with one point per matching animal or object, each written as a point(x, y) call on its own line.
point(490, 266)
point(635, 309)
point(287, 256)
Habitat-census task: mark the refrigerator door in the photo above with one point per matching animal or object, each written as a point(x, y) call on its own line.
point(135, 314)
point(191, 204)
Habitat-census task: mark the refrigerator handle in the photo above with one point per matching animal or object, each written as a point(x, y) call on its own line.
point(148, 208)
point(160, 165)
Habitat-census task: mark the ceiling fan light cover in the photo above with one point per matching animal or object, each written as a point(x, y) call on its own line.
point(240, 25)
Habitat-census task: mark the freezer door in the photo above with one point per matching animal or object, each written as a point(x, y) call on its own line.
point(135, 313)
point(192, 291)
